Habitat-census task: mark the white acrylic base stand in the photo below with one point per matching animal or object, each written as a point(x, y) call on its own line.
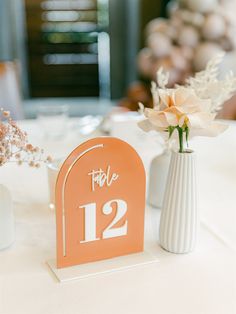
point(102, 267)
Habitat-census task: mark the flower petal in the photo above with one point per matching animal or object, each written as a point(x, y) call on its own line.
point(213, 129)
point(181, 94)
point(188, 102)
point(157, 118)
point(165, 98)
point(171, 118)
point(200, 119)
point(146, 126)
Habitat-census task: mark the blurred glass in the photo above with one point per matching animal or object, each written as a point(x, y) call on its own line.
point(53, 169)
point(53, 121)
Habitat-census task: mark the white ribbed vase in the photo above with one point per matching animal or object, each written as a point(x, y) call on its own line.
point(179, 216)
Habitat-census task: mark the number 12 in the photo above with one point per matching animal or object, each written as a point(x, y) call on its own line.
point(90, 223)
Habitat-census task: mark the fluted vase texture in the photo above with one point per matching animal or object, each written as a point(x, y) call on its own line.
point(179, 216)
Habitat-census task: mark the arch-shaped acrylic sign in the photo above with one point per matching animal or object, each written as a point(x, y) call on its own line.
point(100, 202)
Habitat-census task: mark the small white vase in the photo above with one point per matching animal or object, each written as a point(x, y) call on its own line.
point(7, 224)
point(179, 216)
point(157, 179)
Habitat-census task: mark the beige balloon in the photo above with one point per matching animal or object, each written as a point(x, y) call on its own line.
point(214, 26)
point(160, 44)
point(157, 25)
point(204, 53)
point(144, 61)
point(188, 36)
point(178, 59)
point(203, 6)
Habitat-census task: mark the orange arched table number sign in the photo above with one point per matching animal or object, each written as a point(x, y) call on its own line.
point(100, 202)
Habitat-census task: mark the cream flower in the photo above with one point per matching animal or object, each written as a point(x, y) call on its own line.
point(180, 107)
point(189, 110)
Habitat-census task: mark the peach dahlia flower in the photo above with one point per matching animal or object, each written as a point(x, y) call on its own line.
point(181, 107)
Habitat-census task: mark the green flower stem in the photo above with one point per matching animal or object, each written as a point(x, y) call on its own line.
point(181, 139)
point(187, 134)
point(181, 131)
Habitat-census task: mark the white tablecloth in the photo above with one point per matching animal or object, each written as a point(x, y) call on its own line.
point(202, 282)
